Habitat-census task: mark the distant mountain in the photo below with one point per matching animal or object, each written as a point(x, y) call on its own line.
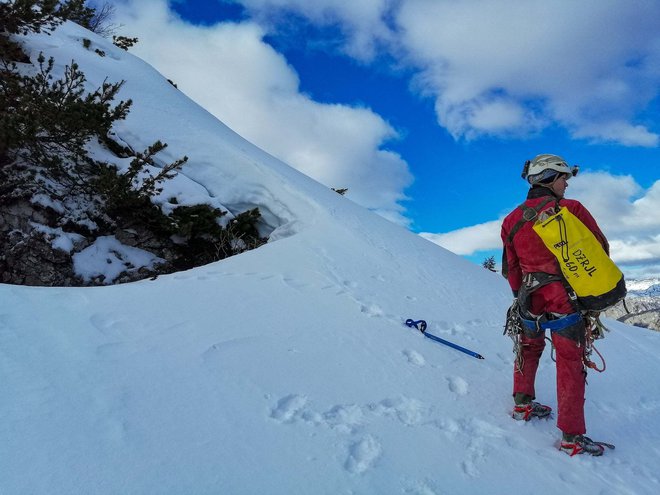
point(642, 305)
point(644, 288)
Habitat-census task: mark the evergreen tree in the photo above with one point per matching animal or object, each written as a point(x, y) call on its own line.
point(46, 122)
point(46, 126)
point(489, 264)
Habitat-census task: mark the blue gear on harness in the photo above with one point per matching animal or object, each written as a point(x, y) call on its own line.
point(553, 325)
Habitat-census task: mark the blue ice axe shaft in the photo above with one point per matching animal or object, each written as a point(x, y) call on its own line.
point(421, 326)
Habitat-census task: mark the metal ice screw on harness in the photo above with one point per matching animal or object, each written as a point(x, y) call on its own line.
point(513, 328)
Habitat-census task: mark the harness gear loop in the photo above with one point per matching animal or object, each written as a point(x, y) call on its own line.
point(592, 365)
point(594, 330)
point(513, 328)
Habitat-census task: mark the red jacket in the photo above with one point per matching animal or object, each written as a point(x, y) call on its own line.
point(527, 253)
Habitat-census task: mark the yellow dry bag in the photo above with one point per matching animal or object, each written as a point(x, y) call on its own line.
point(597, 281)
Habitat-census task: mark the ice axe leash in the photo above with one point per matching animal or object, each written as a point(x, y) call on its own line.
point(421, 326)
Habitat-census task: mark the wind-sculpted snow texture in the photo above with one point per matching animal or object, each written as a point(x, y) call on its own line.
point(288, 369)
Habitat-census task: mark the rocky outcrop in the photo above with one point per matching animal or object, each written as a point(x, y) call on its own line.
point(36, 251)
point(29, 259)
point(642, 311)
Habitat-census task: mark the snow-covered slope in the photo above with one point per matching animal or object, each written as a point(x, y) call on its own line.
point(288, 369)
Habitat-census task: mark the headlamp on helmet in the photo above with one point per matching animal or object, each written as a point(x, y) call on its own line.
point(543, 166)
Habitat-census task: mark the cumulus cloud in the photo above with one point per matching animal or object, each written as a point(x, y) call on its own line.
point(469, 240)
point(229, 70)
point(506, 68)
point(362, 23)
point(625, 212)
point(589, 65)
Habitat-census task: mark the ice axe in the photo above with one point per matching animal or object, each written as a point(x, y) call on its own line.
point(421, 326)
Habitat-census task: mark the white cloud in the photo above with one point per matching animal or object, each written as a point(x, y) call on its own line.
point(502, 67)
point(643, 271)
point(621, 207)
point(362, 22)
point(636, 250)
point(588, 65)
point(625, 212)
point(469, 240)
point(617, 131)
point(229, 70)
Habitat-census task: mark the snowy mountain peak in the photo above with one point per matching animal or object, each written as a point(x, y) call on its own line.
point(644, 288)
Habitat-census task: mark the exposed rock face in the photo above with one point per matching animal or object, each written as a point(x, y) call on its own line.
point(640, 311)
point(39, 240)
point(19, 214)
point(29, 259)
point(642, 305)
point(30, 256)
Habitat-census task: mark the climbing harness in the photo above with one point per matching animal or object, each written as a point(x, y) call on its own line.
point(594, 330)
point(555, 325)
point(520, 321)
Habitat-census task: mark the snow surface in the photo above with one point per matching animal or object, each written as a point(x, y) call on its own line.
point(288, 369)
point(108, 258)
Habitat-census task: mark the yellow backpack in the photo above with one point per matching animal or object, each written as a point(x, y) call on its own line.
point(596, 280)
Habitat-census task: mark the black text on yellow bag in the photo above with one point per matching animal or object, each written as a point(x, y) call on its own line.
point(596, 280)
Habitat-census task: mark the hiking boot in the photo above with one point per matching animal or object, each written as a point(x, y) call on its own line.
point(579, 444)
point(530, 410)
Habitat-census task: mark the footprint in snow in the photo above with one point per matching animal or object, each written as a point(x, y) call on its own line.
point(457, 330)
point(110, 325)
point(449, 426)
point(440, 326)
point(409, 411)
point(293, 283)
point(414, 358)
point(345, 419)
point(372, 310)
point(363, 454)
point(112, 350)
point(458, 385)
point(469, 468)
point(422, 488)
point(288, 408)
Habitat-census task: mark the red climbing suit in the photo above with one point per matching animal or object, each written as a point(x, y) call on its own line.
point(524, 254)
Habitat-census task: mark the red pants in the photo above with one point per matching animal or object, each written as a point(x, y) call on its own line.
point(571, 375)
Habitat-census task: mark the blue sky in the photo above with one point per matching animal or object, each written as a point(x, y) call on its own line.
point(426, 109)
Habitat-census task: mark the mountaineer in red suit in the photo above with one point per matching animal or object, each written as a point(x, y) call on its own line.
point(535, 278)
